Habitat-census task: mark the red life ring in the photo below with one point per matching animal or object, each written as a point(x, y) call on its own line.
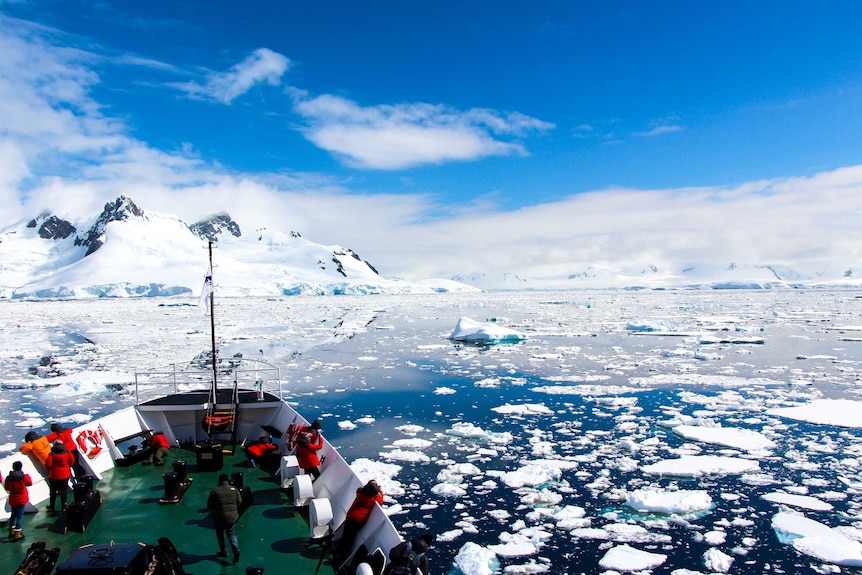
point(292, 436)
point(90, 442)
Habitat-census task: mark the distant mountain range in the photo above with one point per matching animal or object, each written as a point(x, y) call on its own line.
point(126, 251)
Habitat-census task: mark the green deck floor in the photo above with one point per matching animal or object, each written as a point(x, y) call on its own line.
point(272, 534)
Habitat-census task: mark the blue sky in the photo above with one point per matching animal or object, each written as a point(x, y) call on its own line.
point(455, 118)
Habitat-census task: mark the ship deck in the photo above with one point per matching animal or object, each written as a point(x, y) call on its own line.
point(272, 533)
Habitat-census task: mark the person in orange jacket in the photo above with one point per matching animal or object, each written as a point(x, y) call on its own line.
point(36, 445)
point(59, 464)
point(16, 485)
point(309, 443)
point(367, 497)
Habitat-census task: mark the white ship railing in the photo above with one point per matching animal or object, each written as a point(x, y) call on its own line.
point(197, 375)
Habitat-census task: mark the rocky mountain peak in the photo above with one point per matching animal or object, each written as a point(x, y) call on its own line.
point(212, 227)
point(52, 227)
point(118, 211)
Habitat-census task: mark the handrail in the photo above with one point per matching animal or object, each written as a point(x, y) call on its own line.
point(252, 374)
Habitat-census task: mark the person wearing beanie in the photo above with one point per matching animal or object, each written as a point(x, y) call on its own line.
point(367, 497)
point(224, 502)
point(308, 443)
point(16, 485)
point(36, 445)
point(59, 464)
point(64, 434)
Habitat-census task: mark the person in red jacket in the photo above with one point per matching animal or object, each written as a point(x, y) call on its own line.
point(64, 434)
point(307, 445)
point(160, 447)
point(59, 466)
point(261, 451)
point(367, 497)
point(16, 485)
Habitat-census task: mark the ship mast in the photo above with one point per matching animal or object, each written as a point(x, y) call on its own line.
point(212, 331)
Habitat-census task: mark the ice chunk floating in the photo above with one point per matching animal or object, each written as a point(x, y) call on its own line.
point(470, 330)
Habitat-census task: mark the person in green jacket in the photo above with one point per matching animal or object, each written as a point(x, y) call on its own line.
point(224, 502)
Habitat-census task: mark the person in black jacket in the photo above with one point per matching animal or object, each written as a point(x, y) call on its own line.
point(410, 557)
point(224, 502)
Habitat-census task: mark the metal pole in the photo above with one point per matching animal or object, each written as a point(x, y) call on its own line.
point(212, 333)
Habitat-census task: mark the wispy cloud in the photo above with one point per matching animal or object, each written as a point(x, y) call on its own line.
point(660, 130)
point(263, 65)
point(391, 137)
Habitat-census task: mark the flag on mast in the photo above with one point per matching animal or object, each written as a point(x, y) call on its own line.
point(206, 292)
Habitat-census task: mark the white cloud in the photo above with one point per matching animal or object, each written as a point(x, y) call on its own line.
point(660, 130)
point(393, 137)
point(58, 150)
point(263, 65)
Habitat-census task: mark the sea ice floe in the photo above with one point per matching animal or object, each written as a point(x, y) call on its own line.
point(532, 474)
point(444, 391)
point(412, 443)
point(627, 559)
point(543, 497)
point(648, 326)
point(473, 559)
point(405, 455)
point(449, 490)
point(700, 465)
point(410, 429)
point(523, 409)
point(838, 412)
point(801, 501)
point(745, 439)
point(621, 533)
point(716, 561)
point(483, 332)
point(527, 568)
point(470, 431)
point(383, 472)
point(655, 500)
point(346, 425)
point(31, 422)
point(817, 540)
point(586, 389)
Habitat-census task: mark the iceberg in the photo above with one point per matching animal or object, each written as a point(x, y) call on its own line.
point(802, 501)
point(626, 558)
point(470, 330)
point(654, 500)
point(838, 412)
point(817, 540)
point(700, 465)
point(473, 559)
point(745, 439)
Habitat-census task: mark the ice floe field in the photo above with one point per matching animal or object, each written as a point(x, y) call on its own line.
point(655, 431)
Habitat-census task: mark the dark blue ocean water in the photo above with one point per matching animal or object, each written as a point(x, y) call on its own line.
point(382, 359)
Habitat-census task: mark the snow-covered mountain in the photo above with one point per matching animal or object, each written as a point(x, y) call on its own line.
point(671, 275)
point(126, 251)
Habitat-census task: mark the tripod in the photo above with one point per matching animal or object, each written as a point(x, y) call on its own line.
point(326, 545)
